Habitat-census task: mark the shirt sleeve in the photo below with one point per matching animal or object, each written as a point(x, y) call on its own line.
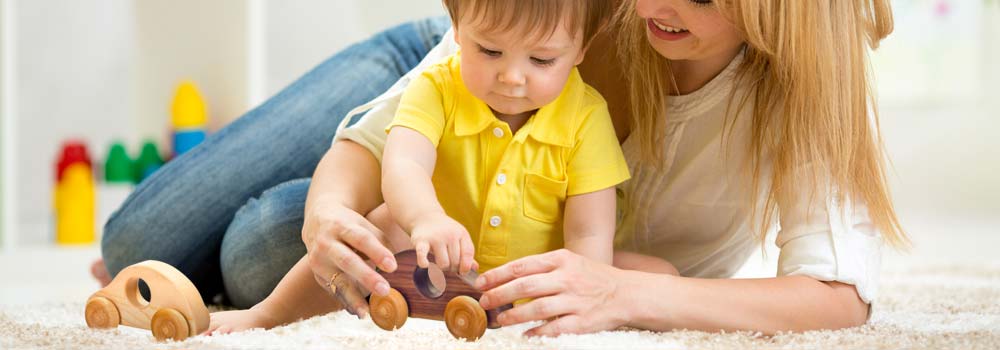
point(830, 240)
point(422, 105)
point(596, 161)
point(369, 131)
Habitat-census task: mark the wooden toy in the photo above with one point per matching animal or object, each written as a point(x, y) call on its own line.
point(414, 295)
point(175, 309)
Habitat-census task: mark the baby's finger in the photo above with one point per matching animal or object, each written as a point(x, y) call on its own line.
point(212, 326)
point(441, 256)
point(422, 247)
point(455, 255)
point(222, 330)
point(468, 255)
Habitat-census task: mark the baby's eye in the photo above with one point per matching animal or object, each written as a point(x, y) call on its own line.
point(488, 52)
point(543, 62)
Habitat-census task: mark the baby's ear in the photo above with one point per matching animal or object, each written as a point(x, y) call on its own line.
point(583, 52)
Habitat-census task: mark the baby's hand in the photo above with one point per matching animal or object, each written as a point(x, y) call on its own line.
point(449, 240)
point(225, 322)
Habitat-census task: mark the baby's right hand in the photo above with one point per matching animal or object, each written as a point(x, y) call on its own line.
point(449, 240)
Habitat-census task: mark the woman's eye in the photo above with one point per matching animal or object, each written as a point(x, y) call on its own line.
point(701, 2)
point(488, 52)
point(543, 62)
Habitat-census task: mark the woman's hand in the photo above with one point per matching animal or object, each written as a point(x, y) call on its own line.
point(576, 294)
point(335, 236)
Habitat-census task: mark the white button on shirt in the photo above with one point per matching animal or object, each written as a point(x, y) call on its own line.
point(495, 221)
point(501, 179)
point(498, 132)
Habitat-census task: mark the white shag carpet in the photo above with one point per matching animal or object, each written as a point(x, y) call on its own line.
point(939, 306)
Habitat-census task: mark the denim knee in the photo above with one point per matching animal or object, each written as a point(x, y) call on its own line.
point(263, 242)
point(121, 244)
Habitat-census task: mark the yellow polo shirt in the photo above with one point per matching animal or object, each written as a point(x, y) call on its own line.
point(509, 190)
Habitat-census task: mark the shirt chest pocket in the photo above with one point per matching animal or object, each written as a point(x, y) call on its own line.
point(544, 198)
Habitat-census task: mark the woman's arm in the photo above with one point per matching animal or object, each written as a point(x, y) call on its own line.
point(589, 224)
point(589, 297)
point(346, 186)
point(767, 305)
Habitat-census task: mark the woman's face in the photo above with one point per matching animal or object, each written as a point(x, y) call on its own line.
point(688, 29)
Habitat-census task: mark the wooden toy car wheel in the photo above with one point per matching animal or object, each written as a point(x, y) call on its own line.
point(389, 312)
point(465, 318)
point(168, 323)
point(102, 313)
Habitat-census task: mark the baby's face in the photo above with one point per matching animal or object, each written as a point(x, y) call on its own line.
point(512, 74)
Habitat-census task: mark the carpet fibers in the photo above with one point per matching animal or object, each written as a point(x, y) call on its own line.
point(950, 306)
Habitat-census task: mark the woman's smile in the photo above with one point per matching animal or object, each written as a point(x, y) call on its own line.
point(666, 32)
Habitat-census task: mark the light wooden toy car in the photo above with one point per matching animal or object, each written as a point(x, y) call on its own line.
point(414, 295)
point(175, 309)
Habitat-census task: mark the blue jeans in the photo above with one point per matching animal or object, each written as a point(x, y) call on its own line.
point(228, 213)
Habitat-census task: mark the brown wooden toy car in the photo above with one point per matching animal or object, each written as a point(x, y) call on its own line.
point(414, 295)
point(175, 309)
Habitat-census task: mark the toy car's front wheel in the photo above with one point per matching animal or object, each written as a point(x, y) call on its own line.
point(168, 323)
point(465, 318)
point(101, 313)
point(389, 312)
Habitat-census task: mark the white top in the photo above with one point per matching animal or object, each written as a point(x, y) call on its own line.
point(694, 212)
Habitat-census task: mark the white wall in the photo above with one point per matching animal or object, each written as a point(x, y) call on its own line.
point(941, 110)
point(298, 35)
point(101, 70)
point(72, 79)
point(6, 144)
point(920, 64)
point(189, 39)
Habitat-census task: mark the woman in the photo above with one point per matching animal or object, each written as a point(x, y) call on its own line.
point(729, 113)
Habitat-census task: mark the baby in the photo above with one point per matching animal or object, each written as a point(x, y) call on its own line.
point(498, 152)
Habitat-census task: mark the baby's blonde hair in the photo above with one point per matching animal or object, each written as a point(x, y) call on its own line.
point(534, 19)
point(807, 76)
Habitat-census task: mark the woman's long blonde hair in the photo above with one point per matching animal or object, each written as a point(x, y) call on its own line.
point(806, 74)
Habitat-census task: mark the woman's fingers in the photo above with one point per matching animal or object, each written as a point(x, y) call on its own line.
point(352, 297)
point(539, 309)
point(367, 241)
point(351, 263)
point(533, 286)
point(528, 265)
point(570, 324)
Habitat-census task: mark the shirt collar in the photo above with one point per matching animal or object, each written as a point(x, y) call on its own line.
point(551, 124)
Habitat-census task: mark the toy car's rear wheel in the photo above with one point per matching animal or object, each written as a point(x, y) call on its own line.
point(389, 312)
point(168, 323)
point(102, 313)
point(465, 318)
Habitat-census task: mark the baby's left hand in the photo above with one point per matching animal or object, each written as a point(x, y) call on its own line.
point(449, 240)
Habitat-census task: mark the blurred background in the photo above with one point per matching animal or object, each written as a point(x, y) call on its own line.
point(106, 71)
